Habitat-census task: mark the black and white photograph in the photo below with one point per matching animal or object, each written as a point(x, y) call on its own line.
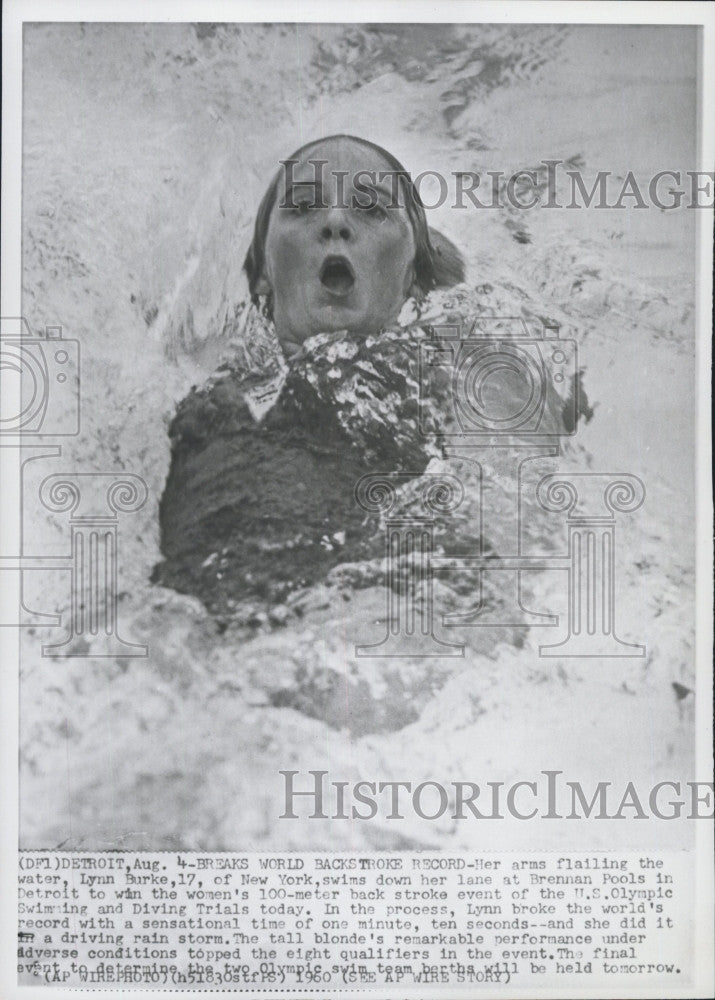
point(354, 416)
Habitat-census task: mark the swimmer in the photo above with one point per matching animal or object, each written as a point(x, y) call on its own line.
point(341, 241)
point(323, 384)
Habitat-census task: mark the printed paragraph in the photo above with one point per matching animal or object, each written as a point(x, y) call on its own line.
point(344, 921)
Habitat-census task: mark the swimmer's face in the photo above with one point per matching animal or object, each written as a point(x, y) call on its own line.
point(337, 257)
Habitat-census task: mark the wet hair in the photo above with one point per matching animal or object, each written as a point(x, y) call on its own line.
point(438, 263)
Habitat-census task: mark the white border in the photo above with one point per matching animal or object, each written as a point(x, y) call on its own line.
point(608, 11)
point(705, 918)
point(361, 11)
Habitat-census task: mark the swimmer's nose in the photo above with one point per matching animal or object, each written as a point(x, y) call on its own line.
point(336, 226)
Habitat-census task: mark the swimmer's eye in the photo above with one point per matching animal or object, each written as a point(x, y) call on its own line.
point(375, 212)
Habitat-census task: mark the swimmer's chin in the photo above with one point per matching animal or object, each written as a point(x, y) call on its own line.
point(336, 322)
point(292, 346)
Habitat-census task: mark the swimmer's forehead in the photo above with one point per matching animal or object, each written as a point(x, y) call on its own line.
point(341, 155)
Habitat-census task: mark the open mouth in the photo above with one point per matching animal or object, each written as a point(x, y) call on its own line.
point(337, 275)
